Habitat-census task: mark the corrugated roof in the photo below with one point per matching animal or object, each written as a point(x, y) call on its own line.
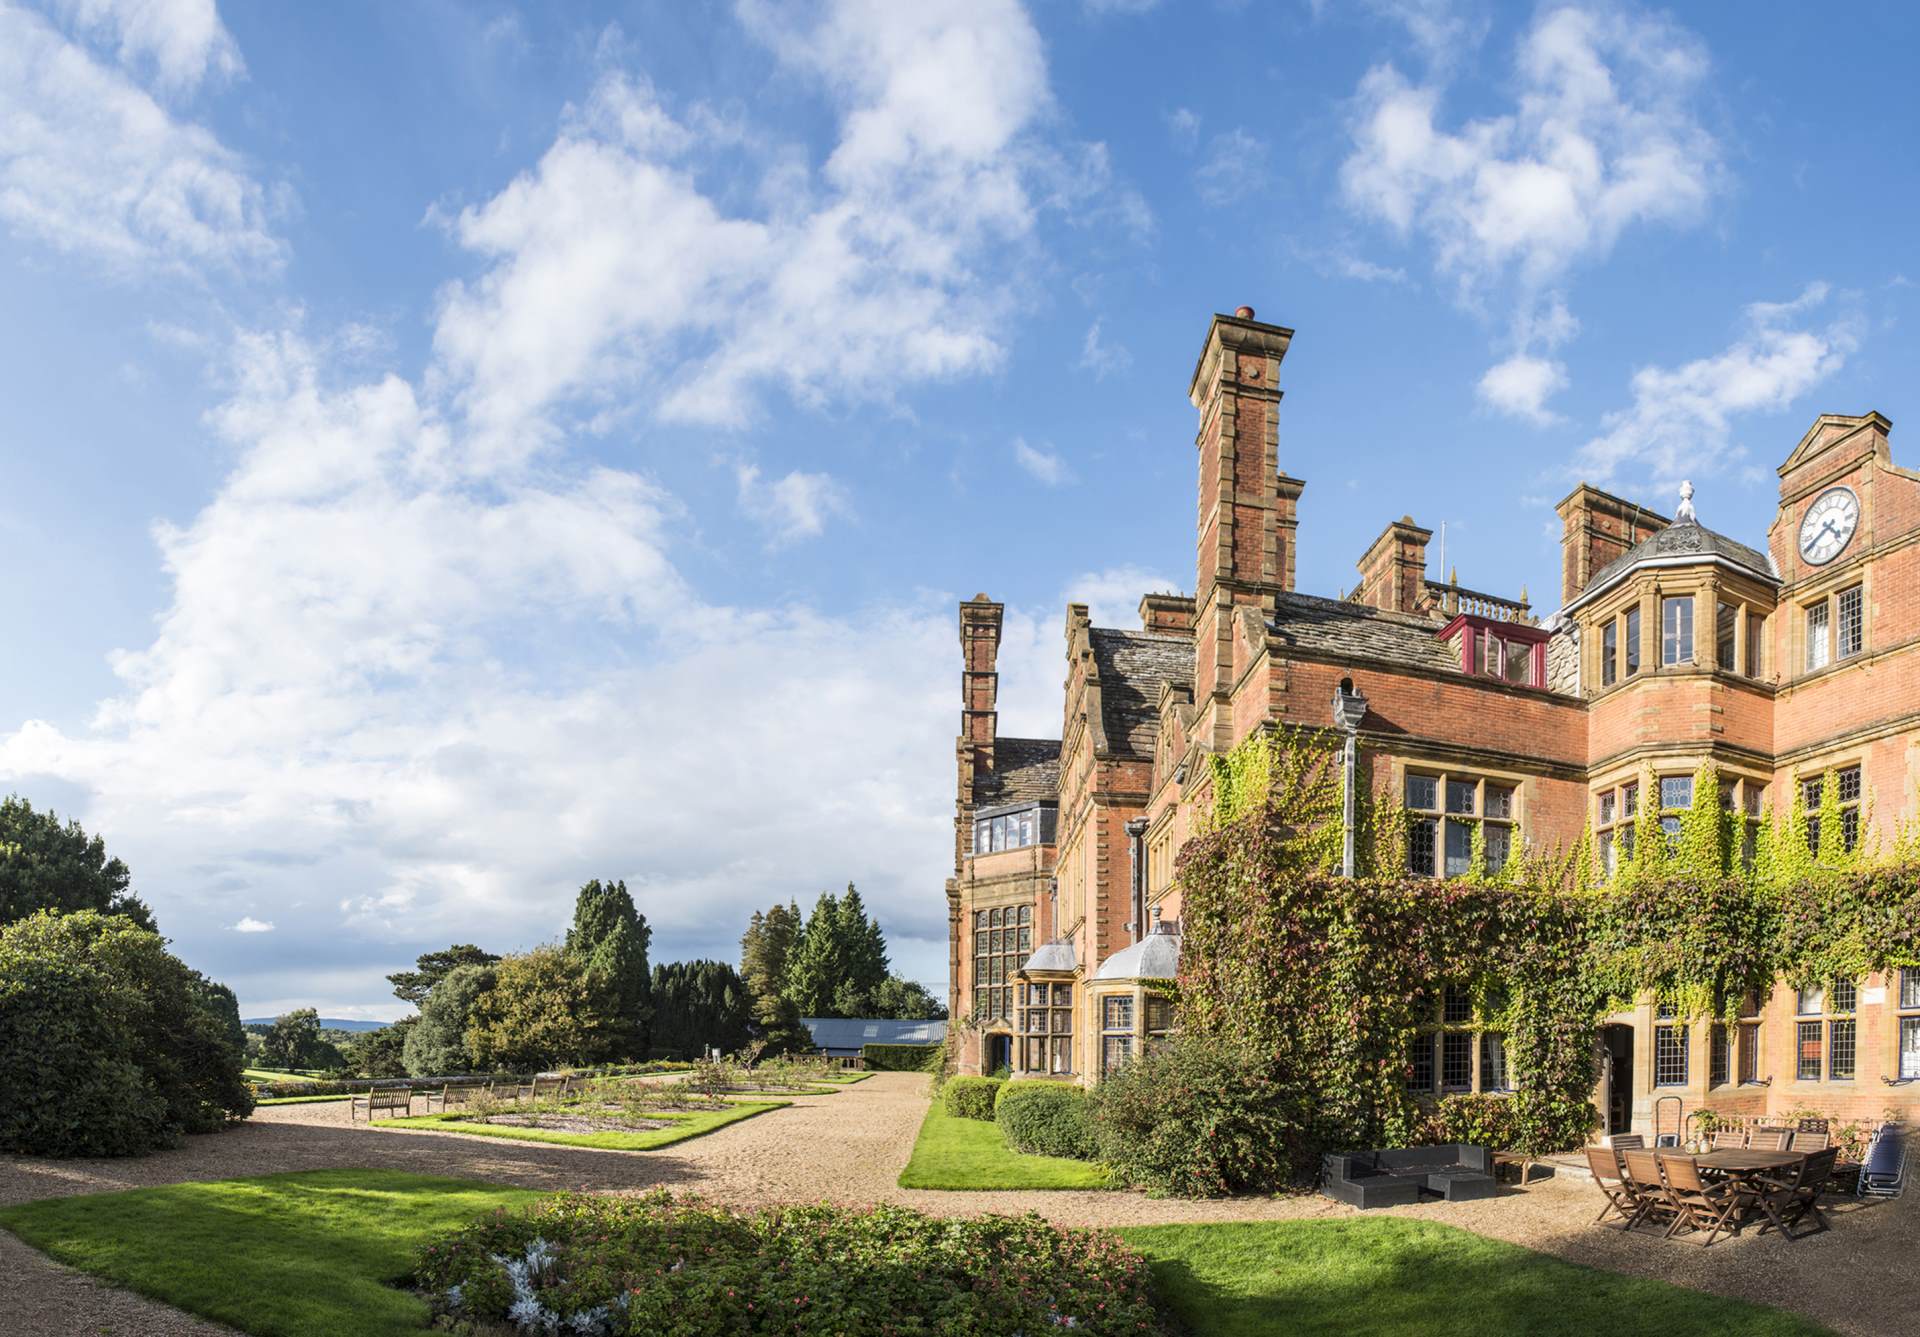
point(1687, 538)
point(1347, 630)
point(847, 1034)
point(1025, 770)
point(1134, 666)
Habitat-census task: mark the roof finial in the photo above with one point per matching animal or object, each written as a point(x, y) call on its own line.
point(1684, 515)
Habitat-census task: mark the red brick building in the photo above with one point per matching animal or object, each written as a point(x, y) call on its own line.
point(1675, 646)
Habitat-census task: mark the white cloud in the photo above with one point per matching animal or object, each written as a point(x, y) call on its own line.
point(1521, 386)
point(1042, 463)
point(1236, 166)
point(248, 924)
point(1183, 123)
point(182, 40)
point(1101, 358)
point(796, 506)
point(614, 270)
point(90, 164)
point(1680, 421)
point(1112, 595)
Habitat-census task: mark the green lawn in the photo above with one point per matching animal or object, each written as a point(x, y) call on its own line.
point(296, 1255)
point(275, 1075)
point(1385, 1275)
point(683, 1127)
point(319, 1253)
point(970, 1153)
point(299, 1100)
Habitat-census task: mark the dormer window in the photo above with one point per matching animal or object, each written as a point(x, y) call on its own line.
point(1012, 829)
point(1509, 652)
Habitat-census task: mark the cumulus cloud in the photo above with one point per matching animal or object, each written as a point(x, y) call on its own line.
point(1183, 123)
point(1112, 595)
point(611, 268)
point(1521, 386)
point(1680, 420)
point(1102, 357)
point(92, 165)
point(182, 42)
point(795, 506)
point(1042, 463)
point(248, 924)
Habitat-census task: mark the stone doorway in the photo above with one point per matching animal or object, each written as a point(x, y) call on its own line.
point(1616, 1078)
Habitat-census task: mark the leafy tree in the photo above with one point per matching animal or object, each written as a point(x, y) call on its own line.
point(108, 1044)
point(380, 1053)
point(610, 938)
point(698, 1005)
point(47, 866)
point(541, 1012)
point(900, 999)
point(436, 1046)
point(294, 1042)
point(219, 1003)
point(838, 960)
point(764, 952)
point(413, 986)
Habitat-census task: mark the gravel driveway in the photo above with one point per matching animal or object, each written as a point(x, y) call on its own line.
point(849, 1147)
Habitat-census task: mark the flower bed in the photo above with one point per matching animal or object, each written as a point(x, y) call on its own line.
point(680, 1267)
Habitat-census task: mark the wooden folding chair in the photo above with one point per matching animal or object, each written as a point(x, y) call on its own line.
point(1627, 1142)
point(1650, 1193)
point(1769, 1139)
point(1621, 1198)
point(1806, 1139)
point(1698, 1205)
point(1729, 1139)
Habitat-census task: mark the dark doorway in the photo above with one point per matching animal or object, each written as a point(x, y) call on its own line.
point(1618, 1058)
point(999, 1054)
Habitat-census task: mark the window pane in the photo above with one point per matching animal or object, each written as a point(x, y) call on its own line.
point(1812, 1001)
point(1459, 848)
point(1520, 663)
point(1493, 1062)
point(1456, 1060)
point(1669, 1055)
point(1676, 631)
point(1117, 1014)
point(1676, 791)
point(1725, 618)
point(1910, 1046)
point(1062, 1022)
point(1499, 801)
point(1458, 1006)
point(1420, 840)
point(1849, 778)
point(1630, 798)
point(1808, 1047)
point(1671, 825)
point(1843, 997)
point(1489, 655)
point(1817, 649)
point(1750, 1052)
point(1026, 914)
point(1756, 637)
point(1633, 641)
point(1840, 1036)
point(1910, 987)
point(1420, 1062)
point(1159, 1015)
point(1422, 793)
point(1062, 1053)
point(1499, 844)
point(1115, 1050)
point(1852, 628)
point(1460, 796)
point(1607, 855)
point(982, 837)
point(1717, 1056)
point(1606, 808)
point(1609, 654)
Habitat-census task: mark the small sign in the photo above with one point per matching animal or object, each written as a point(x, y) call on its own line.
point(1873, 997)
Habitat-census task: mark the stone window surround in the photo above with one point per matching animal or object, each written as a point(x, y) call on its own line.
point(1436, 1028)
point(1402, 770)
point(1709, 587)
point(1747, 789)
point(1829, 1012)
point(1903, 996)
point(1826, 589)
point(1141, 1032)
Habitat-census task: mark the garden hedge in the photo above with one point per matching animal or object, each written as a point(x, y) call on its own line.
point(900, 1058)
point(1045, 1118)
point(971, 1097)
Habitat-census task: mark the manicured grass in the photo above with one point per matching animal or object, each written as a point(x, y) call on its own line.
point(1380, 1275)
point(276, 1075)
point(312, 1254)
point(299, 1100)
point(970, 1153)
point(684, 1126)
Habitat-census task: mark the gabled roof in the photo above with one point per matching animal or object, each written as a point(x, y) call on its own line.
point(1354, 631)
point(849, 1033)
point(1133, 667)
point(1025, 770)
point(1678, 544)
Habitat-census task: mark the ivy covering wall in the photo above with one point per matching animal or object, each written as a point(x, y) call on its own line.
point(1331, 977)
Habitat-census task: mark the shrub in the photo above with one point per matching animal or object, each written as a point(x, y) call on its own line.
point(1481, 1121)
point(970, 1097)
point(900, 1058)
point(1199, 1117)
point(109, 1046)
point(1045, 1118)
point(587, 1264)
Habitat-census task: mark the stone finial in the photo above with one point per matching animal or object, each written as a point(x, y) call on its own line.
point(1683, 514)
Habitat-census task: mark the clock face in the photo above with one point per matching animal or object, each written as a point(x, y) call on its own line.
point(1829, 524)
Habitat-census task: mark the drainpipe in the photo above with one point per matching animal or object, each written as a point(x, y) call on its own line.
point(1349, 708)
point(1137, 890)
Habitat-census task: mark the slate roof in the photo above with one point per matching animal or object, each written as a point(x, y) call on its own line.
point(1154, 957)
point(1687, 538)
point(1357, 631)
point(845, 1035)
point(1134, 666)
point(1051, 956)
point(1025, 770)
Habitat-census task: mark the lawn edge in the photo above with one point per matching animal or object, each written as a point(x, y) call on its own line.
point(452, 1126)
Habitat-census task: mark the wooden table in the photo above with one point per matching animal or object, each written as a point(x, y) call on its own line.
point(1741, 1163)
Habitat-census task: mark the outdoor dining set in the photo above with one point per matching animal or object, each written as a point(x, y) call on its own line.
point(1773, 1176)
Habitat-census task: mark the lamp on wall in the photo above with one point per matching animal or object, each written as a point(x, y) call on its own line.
point(1349, 708)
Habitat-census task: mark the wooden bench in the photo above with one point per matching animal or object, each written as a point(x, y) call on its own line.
point(1523, 1162)
point(544, 1087)
point(393, 1098)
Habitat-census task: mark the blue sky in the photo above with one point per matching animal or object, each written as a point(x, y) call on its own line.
point(452, 451)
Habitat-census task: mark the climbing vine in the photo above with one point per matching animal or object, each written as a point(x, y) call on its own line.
point(1332, 977)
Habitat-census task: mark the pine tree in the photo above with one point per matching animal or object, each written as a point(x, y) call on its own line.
point(610, 938)
point(764, 952)
point(699, 1005)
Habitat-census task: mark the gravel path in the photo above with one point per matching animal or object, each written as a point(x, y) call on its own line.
point(850, 1146)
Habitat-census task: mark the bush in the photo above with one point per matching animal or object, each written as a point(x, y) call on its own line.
point(1045, 1119)
point(1481, 1121)
point(581, 1263)
point(109, 1046)
point(1198, 1117)
point(900, 1058)
point(970, 1097)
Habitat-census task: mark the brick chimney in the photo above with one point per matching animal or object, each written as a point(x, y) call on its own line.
point(1393, 573)
point(1598, 527)
point(1248, 509)
point(980, 619)
point(1168, 613)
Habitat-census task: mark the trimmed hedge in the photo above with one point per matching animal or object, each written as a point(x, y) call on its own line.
point(971, 1097)
point(1045, 1119)
point(899, 1058)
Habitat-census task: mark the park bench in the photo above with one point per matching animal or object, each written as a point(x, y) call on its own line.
point(545, 1087)
point(391, 1099)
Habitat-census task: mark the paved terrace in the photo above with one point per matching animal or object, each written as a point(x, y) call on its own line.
point(849, 1148)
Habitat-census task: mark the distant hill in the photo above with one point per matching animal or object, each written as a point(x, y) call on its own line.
point(326, 1023)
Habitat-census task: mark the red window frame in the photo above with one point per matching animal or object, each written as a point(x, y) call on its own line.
point(1473, 632)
